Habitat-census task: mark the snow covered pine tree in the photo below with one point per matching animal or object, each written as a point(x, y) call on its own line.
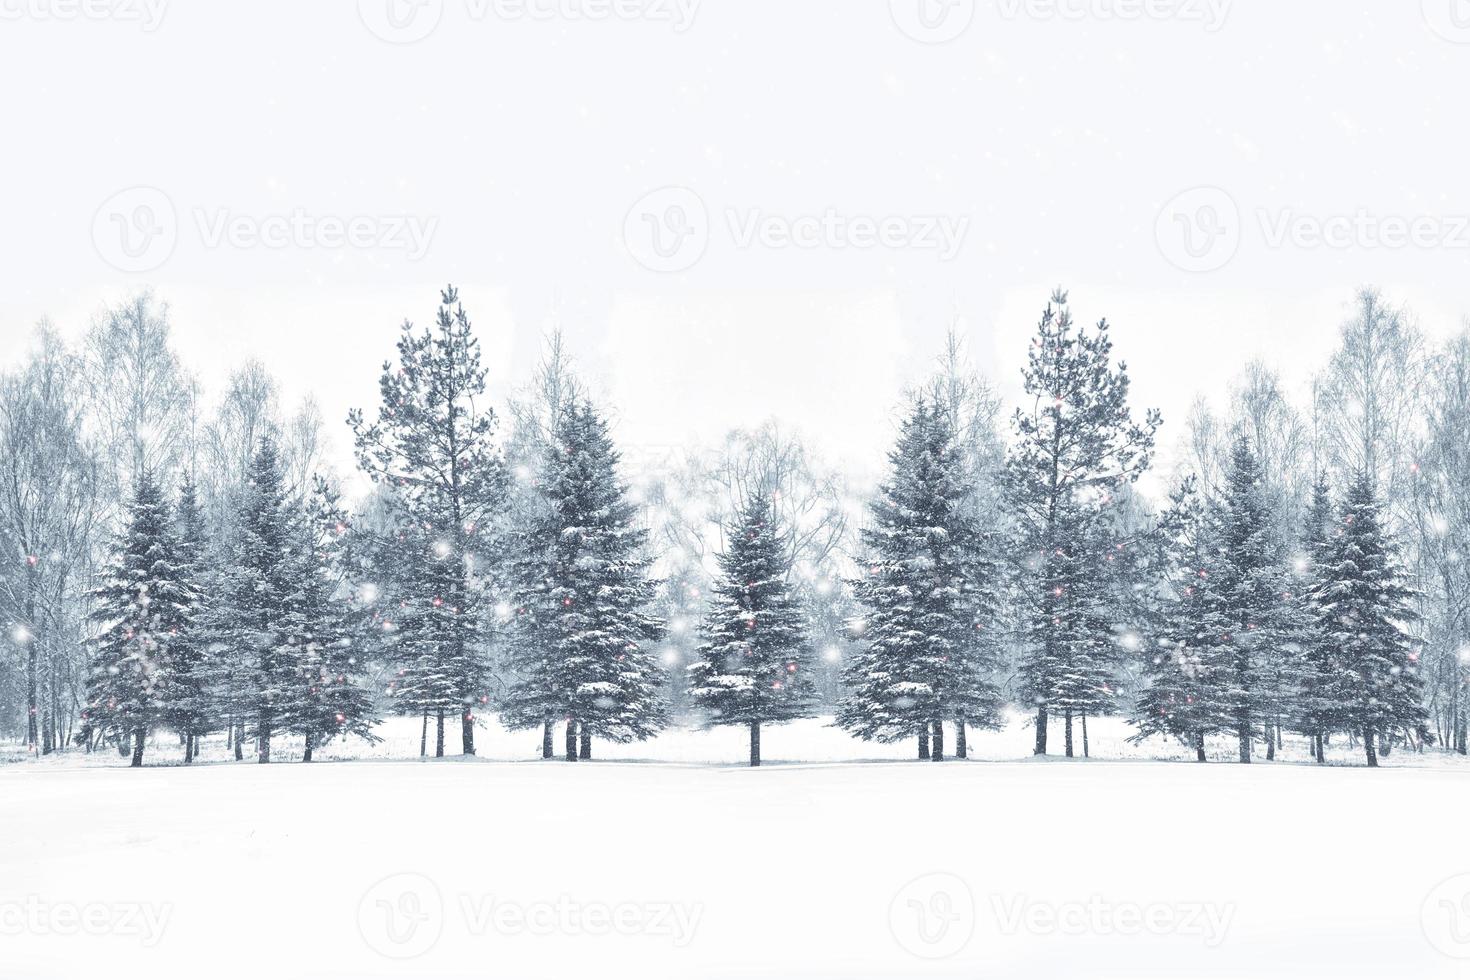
point(1183, 696)
point(431, 444)
point(143, 608)
point(928, 592)
point(584, 631)
point(1367, 599)
point(756, 666)
point(1076, 445)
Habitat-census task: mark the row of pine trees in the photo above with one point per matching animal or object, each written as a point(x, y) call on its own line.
point(459, 589)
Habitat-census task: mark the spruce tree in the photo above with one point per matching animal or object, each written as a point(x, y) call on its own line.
point(188, 699)
point(1368, 600)
point(1076, 445)
point(143, 608)
point(756, 658)
point(323, 633)
point(1258, 605)
point(1318, 714)
point(1183, 694)
point(255, 621)
point(927, 591)
point(584, 631)
point(431, 443)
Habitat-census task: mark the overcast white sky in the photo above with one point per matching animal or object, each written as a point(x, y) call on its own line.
point(546, 157)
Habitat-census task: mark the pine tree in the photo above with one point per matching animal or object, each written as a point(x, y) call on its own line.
point(1318, 714)
point(928, 596)
point(1368, 601)
point(1183, 696)
point(756, 667)
point(187, 698)
point(323, 633)
point(1076, 446)
point(432, 444)
point(584, 633)
point(1257, 603)
point(254, 621)
point(143, 607)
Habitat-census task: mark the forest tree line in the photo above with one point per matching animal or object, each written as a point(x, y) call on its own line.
point(176, 568)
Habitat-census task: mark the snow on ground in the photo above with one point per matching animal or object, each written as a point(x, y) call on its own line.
point(491, 868)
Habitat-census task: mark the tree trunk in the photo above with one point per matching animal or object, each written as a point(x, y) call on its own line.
point(1086, 746)
point(188, 748)
point(239, 749)
point(1244, 731)
point(1370, 744)
point(439, 735)
point(467, 721)
point(1067, 718)
point(1270, 742)
point(265, 742)
point(1319, 750)
point(424, 737)
point(755, 743)
point(1199, 747)
point(547, 748)
point(961, 746)
point(936, 742)
point(923, 741)
point(571, 740)
point(306, 753)
point(1041, 730)
point(139, 737)
point(586, 748)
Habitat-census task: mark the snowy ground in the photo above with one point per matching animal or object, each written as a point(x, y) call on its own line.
point(489, 868)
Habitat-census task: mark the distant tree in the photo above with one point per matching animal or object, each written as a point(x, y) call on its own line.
point(756, 658)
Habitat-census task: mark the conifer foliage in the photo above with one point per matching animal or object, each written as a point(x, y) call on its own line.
point(928, 592)
point(1076, 445)
point(584, 632)
point(144, 607)
point(756, 658)
point(1367, 602)
point(431, 445)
